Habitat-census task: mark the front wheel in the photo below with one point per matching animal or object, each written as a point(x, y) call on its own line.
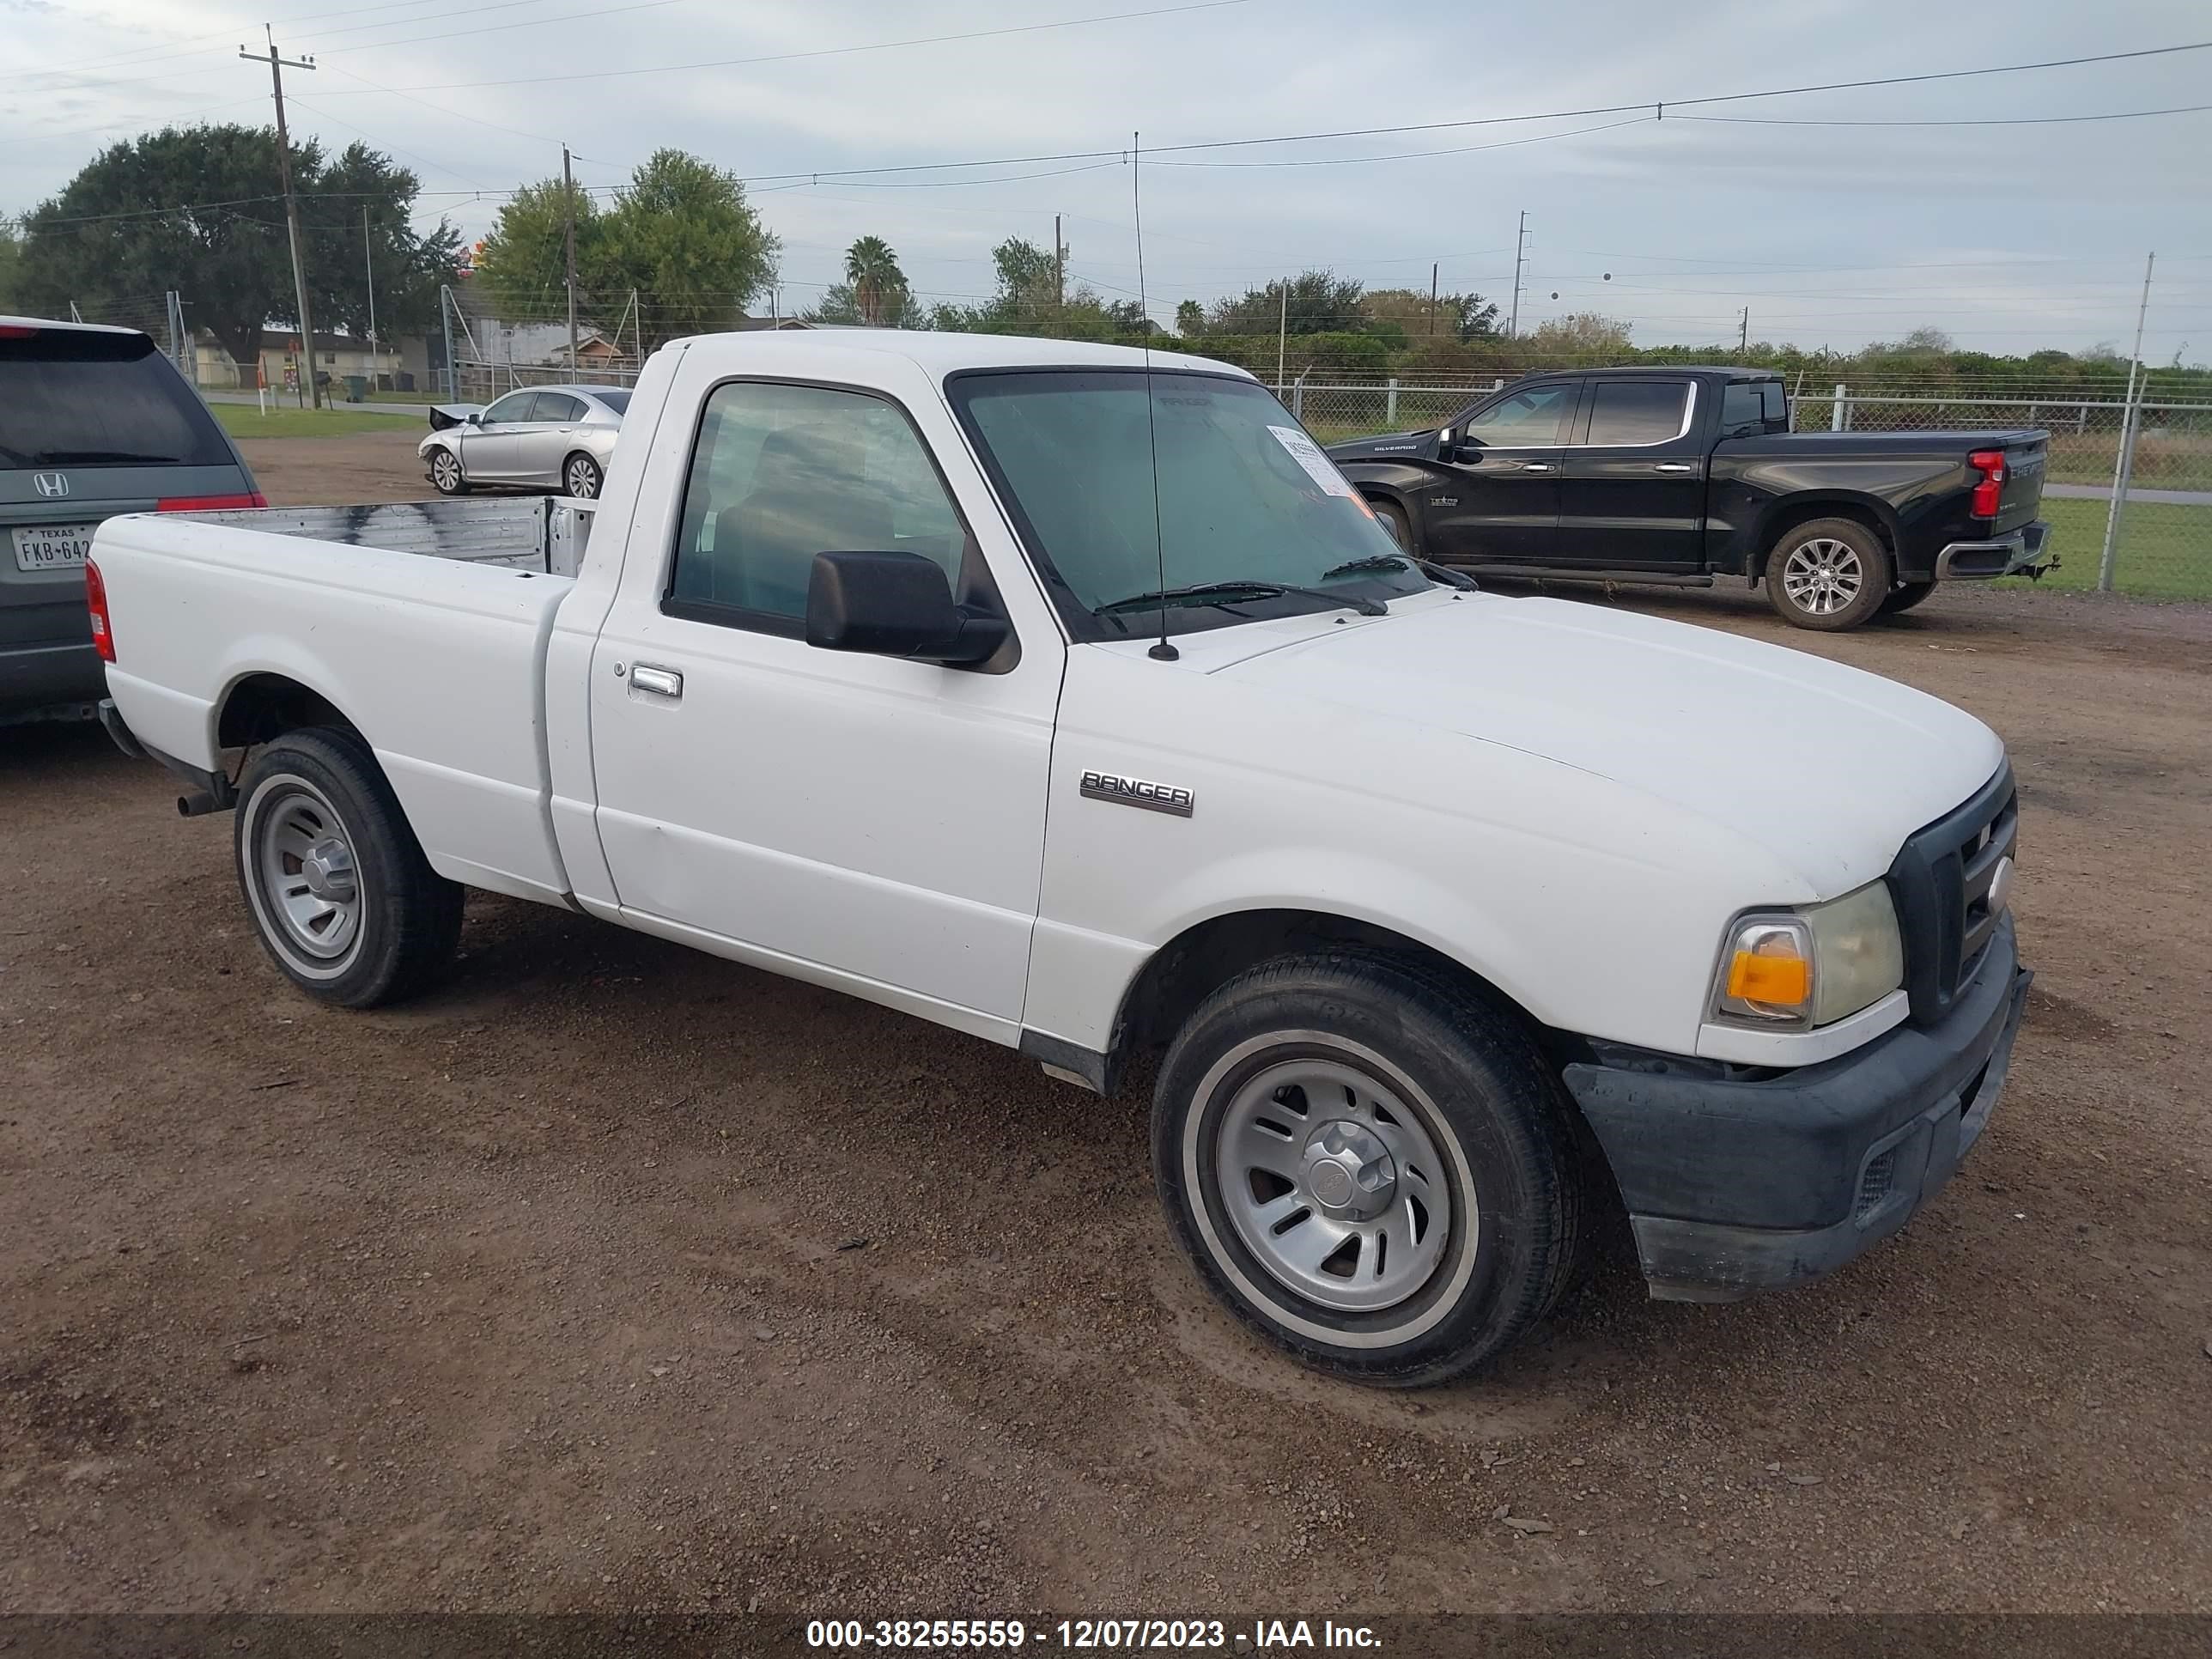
point(1827, 575)
point(1370, 1168)
point(445, 473)
point(582, 477)
point(346, 904)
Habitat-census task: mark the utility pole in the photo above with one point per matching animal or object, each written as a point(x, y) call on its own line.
point(1519, 242)
point(277, 65)
point(2125, 463)
point(1282, 334)
point(568, 211)
point(1432, 296)
point(1743, 334)
point(1059, 274)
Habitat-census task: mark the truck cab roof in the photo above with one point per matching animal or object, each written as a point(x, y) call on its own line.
point(943, 353)
point(1656, 371)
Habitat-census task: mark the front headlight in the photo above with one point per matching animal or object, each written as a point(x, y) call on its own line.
point(1799, 968)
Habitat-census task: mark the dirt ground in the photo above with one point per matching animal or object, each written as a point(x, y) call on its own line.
point(616, 1276)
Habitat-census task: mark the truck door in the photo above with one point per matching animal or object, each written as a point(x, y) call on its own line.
point(868, 822)
point(1498, 500)
point(1632, 482)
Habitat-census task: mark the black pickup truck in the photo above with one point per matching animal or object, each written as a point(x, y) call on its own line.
point(1692, 478)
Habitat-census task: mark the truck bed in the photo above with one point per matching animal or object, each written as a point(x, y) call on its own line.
point(425, 625)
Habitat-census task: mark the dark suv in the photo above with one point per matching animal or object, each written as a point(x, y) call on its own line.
point(93, 422)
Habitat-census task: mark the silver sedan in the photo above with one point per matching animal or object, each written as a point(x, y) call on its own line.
point(544, 437)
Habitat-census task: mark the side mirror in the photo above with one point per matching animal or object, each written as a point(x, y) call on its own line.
point(894, 604)
point(474, 417)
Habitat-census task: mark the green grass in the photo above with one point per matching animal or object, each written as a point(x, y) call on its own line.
point(245, 421)
point(2165, 551)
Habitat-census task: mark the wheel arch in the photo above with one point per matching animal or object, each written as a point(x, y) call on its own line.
point(262, 705)
point(1187, 970)
point(1786, 515)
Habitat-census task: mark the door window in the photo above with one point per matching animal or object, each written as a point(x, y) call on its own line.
point(558, 407)
point(1637, 411)
point(516, 406)
point(780, 473)
point(1523, 419)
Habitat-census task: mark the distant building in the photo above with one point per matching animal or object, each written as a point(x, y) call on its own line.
point(337, 357)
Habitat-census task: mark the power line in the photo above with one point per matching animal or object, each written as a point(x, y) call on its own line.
point(1999, 121)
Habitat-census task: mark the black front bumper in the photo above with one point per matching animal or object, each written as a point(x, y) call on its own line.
point(1735, 1186)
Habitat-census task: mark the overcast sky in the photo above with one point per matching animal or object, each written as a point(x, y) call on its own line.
point(2008, 237)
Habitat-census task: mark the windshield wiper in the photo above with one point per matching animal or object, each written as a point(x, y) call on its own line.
point(1436, 572)
point(1227, 592)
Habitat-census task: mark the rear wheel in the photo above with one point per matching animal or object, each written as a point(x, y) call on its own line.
point(1827, 575)
point(1369, 1168)
point(1905, 597)
point(445, 473)
point(581, 477)
point(345, 903)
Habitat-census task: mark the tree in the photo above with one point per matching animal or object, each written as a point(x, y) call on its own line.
point(1451, 316)
point(1583, 334)
point(680, 233)
point(1928, 340)
point(11, 260)
point(406, 266)
point(683, 236)
point(200, 210)
point(878, 286)
point(523, 267)
point(1319, 303)
point(1190, 318)
point(839, 305)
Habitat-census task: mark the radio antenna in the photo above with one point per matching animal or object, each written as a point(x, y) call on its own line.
point(1161, 651)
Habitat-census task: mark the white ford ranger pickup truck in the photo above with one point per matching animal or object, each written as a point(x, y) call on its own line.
point(1069, 697)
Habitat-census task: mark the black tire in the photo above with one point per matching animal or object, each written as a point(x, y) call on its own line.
point(1861, 574)
point(1905, 597)
point(1468, 1078)
point(581, 477)
point(1392, 518)
point(445, 473)
point(320, 788)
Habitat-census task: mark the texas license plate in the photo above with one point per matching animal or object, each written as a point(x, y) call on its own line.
point(51, 546)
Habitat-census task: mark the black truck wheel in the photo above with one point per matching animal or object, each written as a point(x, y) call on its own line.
point(1827, 575)
point(1369, 1168)
point(342, 898)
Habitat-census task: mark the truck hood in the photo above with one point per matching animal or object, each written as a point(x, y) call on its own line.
point(1826, 767)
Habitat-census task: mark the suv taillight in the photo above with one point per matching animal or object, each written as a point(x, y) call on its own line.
point(1991, 464)
point(209, 503)
point(95, 599)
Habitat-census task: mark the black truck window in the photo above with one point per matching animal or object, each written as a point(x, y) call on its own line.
point(1637, 411)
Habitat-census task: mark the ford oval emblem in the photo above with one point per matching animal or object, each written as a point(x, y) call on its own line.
point(2001, 886)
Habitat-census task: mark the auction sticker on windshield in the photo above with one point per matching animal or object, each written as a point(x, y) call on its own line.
point(52, 546)
point(1307, 453)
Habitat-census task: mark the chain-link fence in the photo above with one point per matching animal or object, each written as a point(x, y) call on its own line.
point(2156, 452)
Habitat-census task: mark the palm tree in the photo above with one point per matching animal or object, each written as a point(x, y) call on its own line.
point(872, 269)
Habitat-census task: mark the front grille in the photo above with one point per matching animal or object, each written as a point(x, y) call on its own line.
point(1940, 883)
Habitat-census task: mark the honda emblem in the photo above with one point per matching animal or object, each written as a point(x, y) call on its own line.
point(51, 485)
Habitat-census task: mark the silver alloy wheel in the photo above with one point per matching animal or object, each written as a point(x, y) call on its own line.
point(583, 478)
point(444, 471)
point(307, 879)
point(1333, 1183)
point(1823, 575)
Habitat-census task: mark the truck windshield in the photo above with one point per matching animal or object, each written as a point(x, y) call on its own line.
point(1250, 517)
